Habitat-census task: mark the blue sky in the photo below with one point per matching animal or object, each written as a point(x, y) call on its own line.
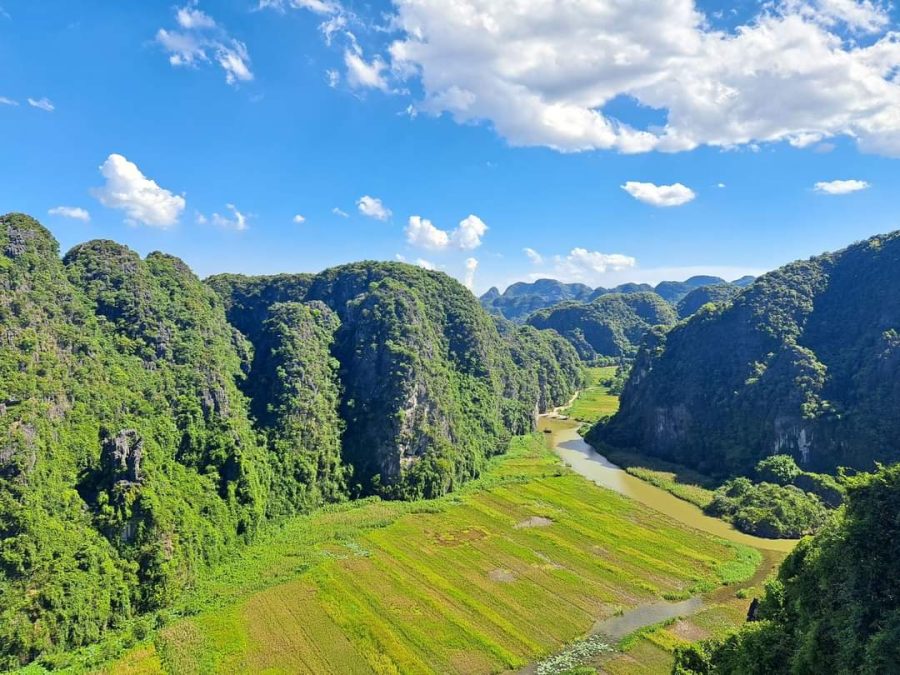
point(493, 129)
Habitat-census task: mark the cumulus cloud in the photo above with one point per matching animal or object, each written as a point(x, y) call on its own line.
point(44, 104)
point(299, 220)
point(199, 39)
point(237, 221)
point(543, 72)
point(535, 257)
point(467, 236)
point(659, 195)
point(425, 264)
point(142, 200)
point(373, 208)
point(73, 212)
point(841, 187)
point(421, 232)
point(469, 278)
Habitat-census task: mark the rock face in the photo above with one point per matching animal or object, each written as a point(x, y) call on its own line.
point(805, 361)
point(120, 456)
point(429, 386)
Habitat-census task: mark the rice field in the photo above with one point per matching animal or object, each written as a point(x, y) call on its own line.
point(509, 570)
point(595, 401)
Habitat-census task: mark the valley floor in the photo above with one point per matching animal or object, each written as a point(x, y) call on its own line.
point(512, 568)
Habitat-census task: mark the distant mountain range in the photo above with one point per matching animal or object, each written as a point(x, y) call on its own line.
point(522, 299)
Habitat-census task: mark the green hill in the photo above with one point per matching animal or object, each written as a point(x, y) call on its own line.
point(610, 326)
point(805, 361)
point(833, 606)
point(152, 424)
point(717, 294)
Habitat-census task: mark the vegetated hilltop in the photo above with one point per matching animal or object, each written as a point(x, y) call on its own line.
point(833, 607)
point(522, 299)
point(610, 326)
point(430, 385)
point(144, 436)
point(717, 294)
point(806, 362)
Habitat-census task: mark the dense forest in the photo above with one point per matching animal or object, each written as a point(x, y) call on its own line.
point(153, 422)
point(804, 362)
point(611, 326)
point(833, 606)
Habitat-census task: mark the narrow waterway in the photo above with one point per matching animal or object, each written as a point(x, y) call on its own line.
point(564, 440)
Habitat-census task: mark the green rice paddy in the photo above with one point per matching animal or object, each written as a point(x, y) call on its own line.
point(505, 572)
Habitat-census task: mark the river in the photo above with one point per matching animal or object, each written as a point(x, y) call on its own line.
point(564, 440)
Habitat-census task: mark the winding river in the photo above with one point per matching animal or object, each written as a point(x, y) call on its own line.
point(564, 440)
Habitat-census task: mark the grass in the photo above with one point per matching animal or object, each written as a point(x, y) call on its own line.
point(684, 483)
point(510, 569)
point(595, 401)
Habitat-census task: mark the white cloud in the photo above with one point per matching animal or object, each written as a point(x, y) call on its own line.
point(858, 15)
point(142, 200)
point(334, 78)
point(581, 262)
point(362, 74)
point(841, 187)
point(469, 278)
point(373, 208)
point(299, 220)
point(467, 236)
point(237, 221)
point(190, 18)
point(535, 257)
point(74, 212)
point(425, 264)
point(422, 233)
point(199, 39)
point(541, 72)
point(8, 101)
point(317, 6)
point(200, 219)
point(659, 195)
point(721, 186)
point(44, 104)
point(340, 212)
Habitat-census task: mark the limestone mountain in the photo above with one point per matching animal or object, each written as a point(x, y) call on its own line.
point(611, 326)
point(151, 423)
point(805, 361)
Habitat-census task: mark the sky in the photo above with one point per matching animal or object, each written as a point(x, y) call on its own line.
point(598, 141)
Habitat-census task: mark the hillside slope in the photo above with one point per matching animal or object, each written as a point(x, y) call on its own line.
point(610, 326)
point(430, 386)
point(806, 361)
point(144, 437)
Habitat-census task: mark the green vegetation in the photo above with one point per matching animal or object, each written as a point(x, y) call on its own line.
point(680, 481)
point(522, 299)
point(595, 401)
point(610, 326)
point(698, 298)
point(768, 510)
point(512, 567)
point(833, 607)
point(148, 435)
point(431, 385)
point(802, 362)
